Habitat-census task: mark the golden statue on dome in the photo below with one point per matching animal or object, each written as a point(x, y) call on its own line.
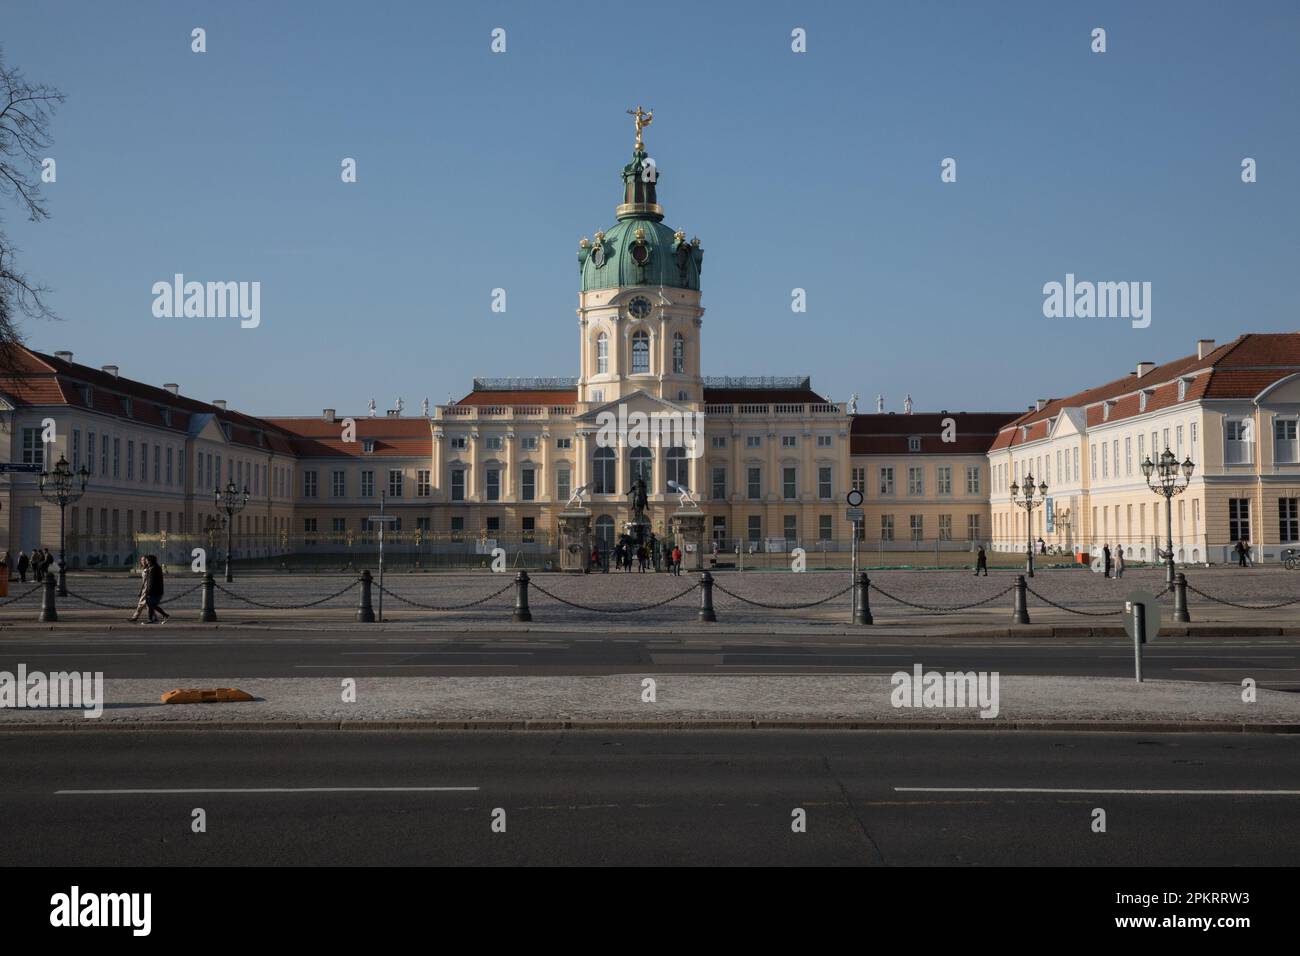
point(643, 119)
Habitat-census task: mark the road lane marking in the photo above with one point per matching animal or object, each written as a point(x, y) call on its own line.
point(1104, 792)
point(359, 664)
point(265, 790)
point(37, 652)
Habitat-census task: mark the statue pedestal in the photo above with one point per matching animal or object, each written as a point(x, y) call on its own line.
point(575, 539)
point(688, 528)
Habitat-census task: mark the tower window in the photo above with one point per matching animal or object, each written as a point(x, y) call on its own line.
point(679, 353)
point(602, 354)
point(640, 353)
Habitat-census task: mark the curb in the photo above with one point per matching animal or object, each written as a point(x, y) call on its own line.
point(1070, 726)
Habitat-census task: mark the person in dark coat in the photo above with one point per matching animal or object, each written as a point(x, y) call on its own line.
point(1243, 551)
point(154, 590)
point(24, 563)
point(981, 562)
point(1105, 560)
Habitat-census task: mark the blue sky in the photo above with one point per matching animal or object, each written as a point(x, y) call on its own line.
point(818, 170)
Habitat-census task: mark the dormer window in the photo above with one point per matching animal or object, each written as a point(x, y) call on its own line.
point(1105, 410)
point(367, 446)
point(914, 443)
point(87, 396)
point(167, 417)
point(1182, 389)
point(127, 407)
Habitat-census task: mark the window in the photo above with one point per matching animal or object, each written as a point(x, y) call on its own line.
point(76, 449)
point(886, 527)
point(564, 443)
point(338, 484)
point(943, 480)
point(157, 463)
point(823, 441)
point(945, 527)
point(458, 522)
point(678, 469)
point(915, 480)
point(642, 466)
point(395, 482)
point(117, 457)
point(1178, 441)
point(1060, 474)
point(1128, 454)
point(528, 443)
point(789, 441)
point(367, 446)
point(338, 525)
point(790, 525)
point(886, 481)
point(90, 455)
point(367, 484)
point(459, 443)
point(825, 530)
point(972, 479)
point(1237, 442)
point(309, 526)
point(528, 527)
point(824, 490)
point(1076, 464)
point(33, 447)
point(495, 443)
point(914, 443)
point(103, 457)
point(754, 529)
point(528, 485)
point(719, 483)
point(563, 484)
point(494, 484)
point(859, 479)
point(602, 468)
point(422, 482)
point(640, 353)
point(1092, 450)
point(1105, 470)
point(1239, 519)
point(719, 441)
point(916, 523)
point(973, 527)
point(130, 459)
point(602, 354)
point(720, 531)
point(423, 524)
point(1285, 448)
point(679, 354)
point(753, 441)
point(309, 484)
point(1288, 519)
point(754, 483)
point(789, 489)
point(457, 489)
point(598, 395)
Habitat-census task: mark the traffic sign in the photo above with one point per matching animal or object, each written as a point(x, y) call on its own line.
point(28, 469)
point(855, 514)
point(1148, 600)
point(854, 498)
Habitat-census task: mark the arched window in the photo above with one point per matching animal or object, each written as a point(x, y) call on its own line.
point(602, 472)
point(640, 353)
point(605, 532)
point(679, 353)
point(642, 466)
point(677, 469)
point(602, 354)
point(681, 395)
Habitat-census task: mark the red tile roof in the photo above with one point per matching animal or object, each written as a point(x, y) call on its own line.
point(543, 396)
point(315, 437)
point(888, 434)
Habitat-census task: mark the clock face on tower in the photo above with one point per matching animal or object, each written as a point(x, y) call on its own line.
point(639, 307)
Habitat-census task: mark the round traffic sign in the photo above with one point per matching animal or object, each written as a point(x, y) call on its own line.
point(1148, 601)
point(854, 498)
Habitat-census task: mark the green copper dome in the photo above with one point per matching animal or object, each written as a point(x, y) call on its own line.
point(639, 249)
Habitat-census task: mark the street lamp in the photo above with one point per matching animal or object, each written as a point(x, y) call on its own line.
point(62, 487)
point(1166, 485)
point(232, 501)
point(1029, 503)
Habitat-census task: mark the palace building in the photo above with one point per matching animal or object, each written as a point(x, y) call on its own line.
point(770, 469)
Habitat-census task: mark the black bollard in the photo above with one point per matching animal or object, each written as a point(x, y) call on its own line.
point(1020, 610)
point(706, 597)
point(365, 611)
point(863, 587)
point(521, 598)
point(208, 610)
point(48, 611)
point(1180, 599)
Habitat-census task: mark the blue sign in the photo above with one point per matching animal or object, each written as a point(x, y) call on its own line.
point(1050, 515)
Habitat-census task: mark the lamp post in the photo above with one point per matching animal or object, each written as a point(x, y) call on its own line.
point(62, 487)
point(1165, 472)
point(1029, 503)
point(232, 501)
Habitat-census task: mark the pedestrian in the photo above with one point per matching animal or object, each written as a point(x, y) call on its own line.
point(24, 563)
point(142, 568)
point(1242, 549)
point(1105, 560)
point(5, 565)
point(1119, 562)
point(154, 590)
point(981, 562)
point(677, 560)
point(1042, 545)
point(38, 566)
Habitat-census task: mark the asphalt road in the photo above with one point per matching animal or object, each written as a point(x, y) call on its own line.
point(1273, 662)
point(629, 798)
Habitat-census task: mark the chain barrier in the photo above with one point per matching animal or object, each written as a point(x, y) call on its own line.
point(286, 607)
point(533, 585)
point(23, 595)
point(1047, 600)
point(447, 607)
point(933, 607)
point(131, 607)
point(1246, 607)
point(780, 607)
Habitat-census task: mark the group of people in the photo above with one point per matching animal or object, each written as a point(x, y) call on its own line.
point(625, 550)
point(151, 591)
point(38, 562)
point(1112, 566)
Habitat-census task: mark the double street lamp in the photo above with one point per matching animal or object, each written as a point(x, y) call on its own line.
point(62, 487)
point(1029, 503)
point(232, 501)
point(1165, 472)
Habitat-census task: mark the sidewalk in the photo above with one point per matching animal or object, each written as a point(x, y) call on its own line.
point(682, 701)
